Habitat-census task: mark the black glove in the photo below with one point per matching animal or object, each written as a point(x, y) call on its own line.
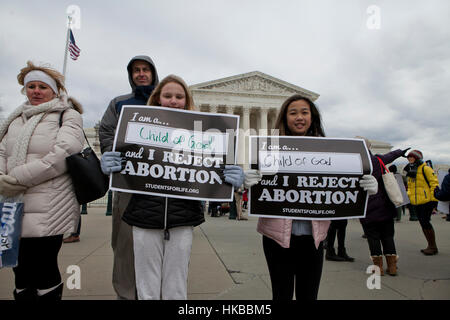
point(404, 152)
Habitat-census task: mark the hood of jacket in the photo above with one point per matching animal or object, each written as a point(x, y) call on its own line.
point(155, 79)
point(74, 103)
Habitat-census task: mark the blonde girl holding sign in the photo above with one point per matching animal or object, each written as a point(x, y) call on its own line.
point(163, 227)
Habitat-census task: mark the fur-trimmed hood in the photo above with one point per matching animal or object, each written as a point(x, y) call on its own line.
point(75, 104)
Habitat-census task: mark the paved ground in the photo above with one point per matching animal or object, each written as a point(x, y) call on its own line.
point(227, 263)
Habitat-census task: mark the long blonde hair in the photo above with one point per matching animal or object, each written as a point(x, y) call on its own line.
point(154, 99)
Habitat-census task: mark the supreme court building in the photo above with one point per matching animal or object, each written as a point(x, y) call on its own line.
point(255, 96)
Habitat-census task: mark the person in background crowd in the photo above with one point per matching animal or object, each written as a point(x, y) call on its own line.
point(421, 184)
point(378, 225)
point(435, 203)
point(294, 248)
point(411, 208)
point(35, 140)
point(233, 214)
point(245, 198)
point(162, 227)
point(214, 208)
point(237, 204)
point(337, 227)
point(443, 193)
point(143, 78)
point(238, 197)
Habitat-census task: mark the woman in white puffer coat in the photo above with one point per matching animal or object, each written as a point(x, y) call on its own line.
point(35, 141)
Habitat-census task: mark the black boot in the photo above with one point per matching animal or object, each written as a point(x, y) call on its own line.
point(331, 255)
point(29, 294)
point(343, 254)
point(55, 294)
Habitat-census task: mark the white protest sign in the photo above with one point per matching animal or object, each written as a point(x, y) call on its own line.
point(308, 178)
point(175, 153)
point(309, 162)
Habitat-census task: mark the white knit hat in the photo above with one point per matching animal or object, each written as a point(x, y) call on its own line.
point(38, 75)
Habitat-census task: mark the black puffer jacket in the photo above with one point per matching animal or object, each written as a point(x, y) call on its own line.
point(152, 212)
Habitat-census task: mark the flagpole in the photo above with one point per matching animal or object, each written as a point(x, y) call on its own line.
point(67, 45)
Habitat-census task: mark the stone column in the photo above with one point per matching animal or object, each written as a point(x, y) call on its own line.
point(272, 115)
point(246, 119)
point(213, 108)
point(244, 138)
point(230, 157)
point(97, 140)
point(263, 121)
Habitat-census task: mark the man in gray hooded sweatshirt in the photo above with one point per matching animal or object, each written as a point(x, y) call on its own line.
point(143, 78)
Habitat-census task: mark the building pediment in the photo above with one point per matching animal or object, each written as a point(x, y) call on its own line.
point(253, 83)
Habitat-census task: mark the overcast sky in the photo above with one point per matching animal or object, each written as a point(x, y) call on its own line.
point(385, 76)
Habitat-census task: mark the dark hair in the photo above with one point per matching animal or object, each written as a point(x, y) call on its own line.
point(315, 130)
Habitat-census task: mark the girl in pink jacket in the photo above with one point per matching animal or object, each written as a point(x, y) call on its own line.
point(293, 248)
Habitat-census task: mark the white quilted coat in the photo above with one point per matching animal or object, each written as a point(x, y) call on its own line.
point(50, 205)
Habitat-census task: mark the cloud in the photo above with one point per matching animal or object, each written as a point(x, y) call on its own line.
point(389, 84)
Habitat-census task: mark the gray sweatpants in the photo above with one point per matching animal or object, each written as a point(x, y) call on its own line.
point(123, 278)
point(161, 266)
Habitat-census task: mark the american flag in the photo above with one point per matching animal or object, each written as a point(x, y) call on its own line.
point(73, 49)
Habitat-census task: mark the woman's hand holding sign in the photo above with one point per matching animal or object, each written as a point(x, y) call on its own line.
point(252, 177)
point(234, 175)
point(369, 183)
point(110, 162)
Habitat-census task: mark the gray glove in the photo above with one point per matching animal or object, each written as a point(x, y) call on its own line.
point(252, 177)
point(9, 186)
point(110, 162)
point(234, 175)
point(369, 183)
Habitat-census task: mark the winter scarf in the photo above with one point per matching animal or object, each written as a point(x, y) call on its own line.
point(412, 169)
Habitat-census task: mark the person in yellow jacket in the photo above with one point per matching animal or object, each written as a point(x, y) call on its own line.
point(421, 184)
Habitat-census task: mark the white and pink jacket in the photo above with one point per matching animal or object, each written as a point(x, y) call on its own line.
point(280, 230)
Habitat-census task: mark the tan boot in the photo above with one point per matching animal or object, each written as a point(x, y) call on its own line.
point(71, 239)
point(431, 239)
point(378, 261)
point(391, 260)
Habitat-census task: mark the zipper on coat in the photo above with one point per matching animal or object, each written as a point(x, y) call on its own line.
point(166, 231)
point(415, 190)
